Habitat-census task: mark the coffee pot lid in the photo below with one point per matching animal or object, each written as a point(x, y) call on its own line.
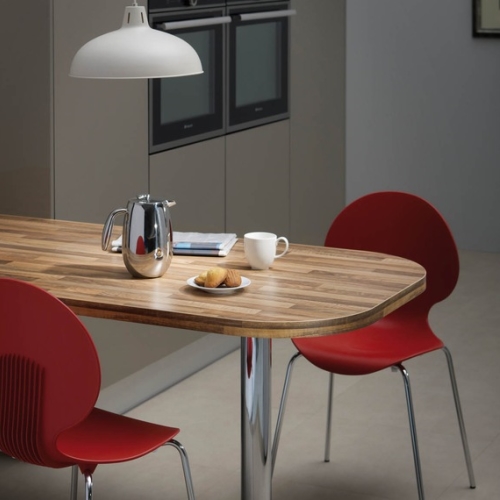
point(147, 200)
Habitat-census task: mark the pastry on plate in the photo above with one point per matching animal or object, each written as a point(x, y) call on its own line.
point(233, 278)
point(201, 278)
point(215, 277)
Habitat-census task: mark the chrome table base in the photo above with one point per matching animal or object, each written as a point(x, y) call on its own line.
point(256, 459)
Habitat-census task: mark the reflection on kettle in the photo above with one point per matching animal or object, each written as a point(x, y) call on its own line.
point(147, 236)
point(140, 248)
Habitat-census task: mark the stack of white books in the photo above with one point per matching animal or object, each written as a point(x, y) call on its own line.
point(216, 244)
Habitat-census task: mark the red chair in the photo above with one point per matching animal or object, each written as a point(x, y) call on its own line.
point(49, 382)
point(407, 226)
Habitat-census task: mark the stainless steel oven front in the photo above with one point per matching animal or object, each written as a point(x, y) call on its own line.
point(189, 109)
point(244, 49)
point(258, 62)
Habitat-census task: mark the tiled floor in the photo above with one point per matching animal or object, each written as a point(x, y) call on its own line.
point(371, 450)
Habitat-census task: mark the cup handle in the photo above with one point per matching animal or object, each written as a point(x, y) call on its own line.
point(285, 241)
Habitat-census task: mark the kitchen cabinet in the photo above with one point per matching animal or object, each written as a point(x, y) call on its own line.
point(76, 149)
point(25, 110)
point(193, 176)
point(237, 183)
point(258, 180)
point(100, 126)
point(317, 123)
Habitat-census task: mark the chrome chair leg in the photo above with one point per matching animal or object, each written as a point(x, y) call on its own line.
point(88, 486)
point(74, 482)
point(413, 431)
point(329, 419)
point(460, 416)
point(281, 412)
point(185, 466)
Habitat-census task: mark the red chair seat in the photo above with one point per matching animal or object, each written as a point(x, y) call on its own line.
point(370, 349)
point(105, 437)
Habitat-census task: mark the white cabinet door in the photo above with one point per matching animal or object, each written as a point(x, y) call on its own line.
point(258, 180)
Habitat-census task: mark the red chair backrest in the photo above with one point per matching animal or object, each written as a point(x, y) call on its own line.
point(405, 225)
point(49, 372)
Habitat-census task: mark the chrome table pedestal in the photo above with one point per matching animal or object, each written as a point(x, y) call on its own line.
point(256, 458)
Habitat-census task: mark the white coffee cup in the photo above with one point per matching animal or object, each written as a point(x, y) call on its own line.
point(260, 249)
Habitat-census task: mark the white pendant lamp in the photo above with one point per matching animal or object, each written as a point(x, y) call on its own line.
point(135, 51)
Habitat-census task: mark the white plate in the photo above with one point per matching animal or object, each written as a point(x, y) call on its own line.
point(223, 290)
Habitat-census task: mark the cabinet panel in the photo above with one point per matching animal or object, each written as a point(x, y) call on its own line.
point(193, 176)
point(100, 126)
point(317, 132)
point(25, 110)
point(257, 180)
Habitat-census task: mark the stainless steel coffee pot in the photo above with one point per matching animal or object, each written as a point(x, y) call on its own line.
point(147, 236)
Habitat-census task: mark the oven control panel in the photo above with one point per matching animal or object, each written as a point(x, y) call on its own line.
point(154, 5)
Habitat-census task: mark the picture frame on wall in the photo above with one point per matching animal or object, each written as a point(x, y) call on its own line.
point(486, 18)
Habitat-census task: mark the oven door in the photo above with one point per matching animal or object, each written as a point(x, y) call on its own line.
point(258, 62)
point(190, 109)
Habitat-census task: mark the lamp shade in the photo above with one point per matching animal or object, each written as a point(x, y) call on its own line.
point(135, 51)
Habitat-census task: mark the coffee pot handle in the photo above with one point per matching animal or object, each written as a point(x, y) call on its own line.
point(108, 227)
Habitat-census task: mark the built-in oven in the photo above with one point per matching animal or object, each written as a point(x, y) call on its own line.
point(244, 49)
point(258, 62)
point(189, 109)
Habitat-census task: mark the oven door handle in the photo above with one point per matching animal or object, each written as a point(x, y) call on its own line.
point(194, 23)
point(253, 16)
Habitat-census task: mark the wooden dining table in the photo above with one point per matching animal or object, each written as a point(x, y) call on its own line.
point(311, 291)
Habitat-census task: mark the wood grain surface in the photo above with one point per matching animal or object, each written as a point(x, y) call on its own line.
point(312, 290)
